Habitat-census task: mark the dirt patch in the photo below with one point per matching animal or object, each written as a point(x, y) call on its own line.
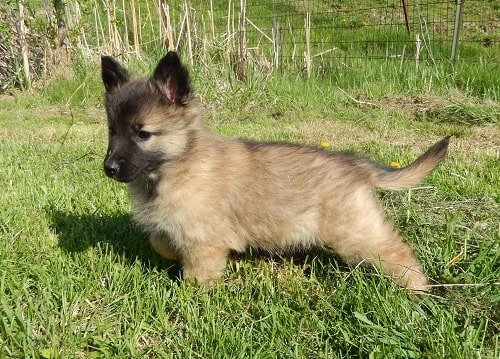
point(425, 104)
point(414, 106)
point(453, 108)
point(482, 140)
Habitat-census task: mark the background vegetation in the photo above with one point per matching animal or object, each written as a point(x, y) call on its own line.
point(78, 278)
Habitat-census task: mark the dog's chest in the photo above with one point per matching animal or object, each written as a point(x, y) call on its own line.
point(168, 206)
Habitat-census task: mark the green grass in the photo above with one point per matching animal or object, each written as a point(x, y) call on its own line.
point(78, 278)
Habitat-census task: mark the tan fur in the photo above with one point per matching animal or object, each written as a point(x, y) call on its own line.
point(215, 194)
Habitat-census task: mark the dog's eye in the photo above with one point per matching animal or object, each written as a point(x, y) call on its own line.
point(144, 135)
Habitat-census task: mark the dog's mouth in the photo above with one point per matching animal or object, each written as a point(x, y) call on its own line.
point(126, 170)
point(124, 179)
point(130, 178)
point(127, 174)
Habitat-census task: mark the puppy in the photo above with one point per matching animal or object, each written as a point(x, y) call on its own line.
point(200, 195)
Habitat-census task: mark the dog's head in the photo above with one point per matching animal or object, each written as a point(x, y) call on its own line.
point(151, 121)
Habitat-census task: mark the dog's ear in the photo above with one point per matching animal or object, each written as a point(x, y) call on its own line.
point(171, 78)
point(114, 75)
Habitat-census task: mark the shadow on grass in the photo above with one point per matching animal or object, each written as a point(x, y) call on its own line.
point(116, 233)
point(314, 261)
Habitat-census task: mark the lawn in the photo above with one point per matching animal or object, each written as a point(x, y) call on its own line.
point(79, 279)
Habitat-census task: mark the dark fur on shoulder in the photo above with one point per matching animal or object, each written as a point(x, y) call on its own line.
point(200, 195)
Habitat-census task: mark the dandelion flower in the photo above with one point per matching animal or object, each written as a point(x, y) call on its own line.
point(324, 144)
point(395, 164)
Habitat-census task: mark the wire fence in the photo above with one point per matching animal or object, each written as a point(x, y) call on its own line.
point(292, 33)
point(277, 34)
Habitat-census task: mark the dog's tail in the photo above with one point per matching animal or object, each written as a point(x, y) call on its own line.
point(395, 178)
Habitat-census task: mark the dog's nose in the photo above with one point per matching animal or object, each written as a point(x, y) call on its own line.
point(111, 168)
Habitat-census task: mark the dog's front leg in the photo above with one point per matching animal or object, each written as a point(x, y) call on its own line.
point(203, 264)
point(161, 245)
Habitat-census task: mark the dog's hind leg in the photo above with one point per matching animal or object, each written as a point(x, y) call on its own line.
point(361, 234)
point(161, 245)
point(387, 252)
point(396, 259)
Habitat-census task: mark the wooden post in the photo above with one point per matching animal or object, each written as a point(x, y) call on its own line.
point(456, 30)
point(125, 25)
point(23, 44)
point(187, 9)
point(308, 44)
point(274, 35)
point(61, 47)
point(407, 16)
point(241, 71)
point(135, 27)
point(61, 24)
point(168, 38)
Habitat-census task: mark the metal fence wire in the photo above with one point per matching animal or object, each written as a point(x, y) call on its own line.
point(291, 33)
point(296, 35)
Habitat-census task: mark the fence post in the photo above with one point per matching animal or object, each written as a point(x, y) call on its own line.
point(407, 16)
point(135, 27)
point(168, 37)
point(241, 72)
point(456, 31)
point(308, 44)
point(23, 44)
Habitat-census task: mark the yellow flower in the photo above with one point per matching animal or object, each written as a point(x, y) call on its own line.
point(324, 144)
point(395, 164)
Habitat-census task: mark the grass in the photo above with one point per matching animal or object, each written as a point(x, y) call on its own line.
point(78, 278)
